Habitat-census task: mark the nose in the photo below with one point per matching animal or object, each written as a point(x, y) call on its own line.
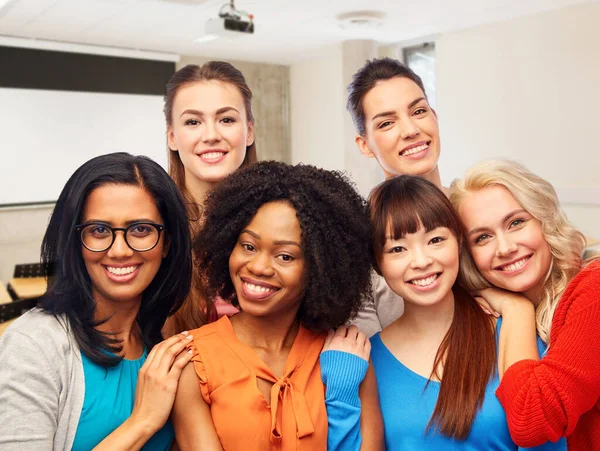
point(211, 132)
point(408, 128)
point(119, 248)
point(420, 258)
point(504, 245)
point(260, 265)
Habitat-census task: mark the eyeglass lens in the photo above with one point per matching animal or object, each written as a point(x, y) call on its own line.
point(140, 237)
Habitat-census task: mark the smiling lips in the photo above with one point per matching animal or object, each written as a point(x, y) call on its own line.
point(212, 156)
point(426, 282)
point(121, 274)
point(514, 265)
point(414, 149)
point(255, 290)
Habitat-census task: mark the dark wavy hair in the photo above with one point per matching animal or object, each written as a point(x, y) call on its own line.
point(365, 79)
point(335, 236)
point(70, 289)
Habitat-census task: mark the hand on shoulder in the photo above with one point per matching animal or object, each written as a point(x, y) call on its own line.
point(350, 340)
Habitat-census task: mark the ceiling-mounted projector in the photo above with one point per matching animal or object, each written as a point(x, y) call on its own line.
point(229, 26)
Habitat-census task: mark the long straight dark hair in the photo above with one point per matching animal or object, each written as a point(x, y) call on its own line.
point(70, 289)
point(467, 354)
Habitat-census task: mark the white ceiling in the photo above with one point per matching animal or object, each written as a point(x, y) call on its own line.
point(286, 31)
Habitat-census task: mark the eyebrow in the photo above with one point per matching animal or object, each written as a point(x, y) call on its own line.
point(277, 243)
point(506, 218)
point(391, 113)
point(225, 109)
point(127, 223)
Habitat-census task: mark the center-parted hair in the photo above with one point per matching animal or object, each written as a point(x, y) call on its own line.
point(400, 206)
point(69, 284)
point(334, 231)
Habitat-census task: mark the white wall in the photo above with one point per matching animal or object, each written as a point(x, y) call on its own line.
point(316, 110)
point(527, 89)
point(321, 128)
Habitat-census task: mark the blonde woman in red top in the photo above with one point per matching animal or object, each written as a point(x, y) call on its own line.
point(520, 241)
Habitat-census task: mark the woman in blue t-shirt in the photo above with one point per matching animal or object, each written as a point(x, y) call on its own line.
point(88, 368)
point(436, 364)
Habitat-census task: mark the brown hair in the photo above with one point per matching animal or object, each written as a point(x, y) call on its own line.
point(467, 354)
point(195, 311)
point(374, 71)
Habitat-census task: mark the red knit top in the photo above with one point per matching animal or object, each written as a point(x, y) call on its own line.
point(558, 396)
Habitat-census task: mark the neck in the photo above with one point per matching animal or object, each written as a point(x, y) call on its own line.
point(431, 321)
point(266, 332)
point(120, 318)
point(197, 188)
point(434, 177)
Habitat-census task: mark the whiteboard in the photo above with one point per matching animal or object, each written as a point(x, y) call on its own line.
point(46, 135)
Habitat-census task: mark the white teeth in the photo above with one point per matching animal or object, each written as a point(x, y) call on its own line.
point(121, 271)
point(516, 265)
point(212, 155)
point(258, 288)
point(424, 282)
point(414, 150)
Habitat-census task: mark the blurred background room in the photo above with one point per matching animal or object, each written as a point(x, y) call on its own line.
point(78, 78)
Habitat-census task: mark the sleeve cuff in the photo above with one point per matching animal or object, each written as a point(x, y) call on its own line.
point(342, 373)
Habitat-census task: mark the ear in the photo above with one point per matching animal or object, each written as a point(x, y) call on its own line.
point(171, 142)
point(250, 134)
point(362, 145)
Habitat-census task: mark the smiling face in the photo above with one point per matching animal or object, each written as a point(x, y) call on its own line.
point(267, 263)
point(401, 129)
point(210, 130)
point(120, 274)
point(421, 267)
point(506, 241)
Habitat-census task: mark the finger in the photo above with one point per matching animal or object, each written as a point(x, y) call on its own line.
point(361, 338)
point(159, 350)
point(341, 331)
point(170, 354)
point(353, 331)
point(180, 362)
point(367, 349)
point(328, 339)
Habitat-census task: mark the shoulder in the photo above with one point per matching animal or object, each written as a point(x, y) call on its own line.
point(42, 327)
point(586, 284)
point(582, 296)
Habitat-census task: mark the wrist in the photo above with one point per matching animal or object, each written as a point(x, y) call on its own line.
point(140, 426)
point(518, 306)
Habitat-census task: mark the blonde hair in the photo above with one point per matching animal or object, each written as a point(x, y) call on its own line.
point(539, 198)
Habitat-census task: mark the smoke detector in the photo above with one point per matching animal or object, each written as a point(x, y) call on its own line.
point(361, 20)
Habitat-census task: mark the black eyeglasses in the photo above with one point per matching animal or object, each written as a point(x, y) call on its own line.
point(139, 236)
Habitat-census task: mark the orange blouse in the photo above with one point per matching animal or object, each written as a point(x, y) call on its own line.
point(227, 370)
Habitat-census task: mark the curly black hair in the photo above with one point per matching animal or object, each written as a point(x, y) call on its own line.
point(335, 236)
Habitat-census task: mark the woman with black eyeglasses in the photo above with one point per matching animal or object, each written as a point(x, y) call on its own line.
point(88, 367)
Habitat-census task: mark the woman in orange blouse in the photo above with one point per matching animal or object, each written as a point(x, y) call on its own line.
point(288, 245)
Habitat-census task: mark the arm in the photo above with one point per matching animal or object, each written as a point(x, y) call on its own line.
point(544, 399)
point(29, 394)
point(194, 428)
point(154, 396)
point(343, 368)
point(518, 338)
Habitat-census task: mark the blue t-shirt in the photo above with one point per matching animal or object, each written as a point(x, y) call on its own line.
point(407, 406)
point(108, 402)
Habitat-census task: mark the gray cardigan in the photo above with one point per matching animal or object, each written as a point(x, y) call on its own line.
point(41, 384)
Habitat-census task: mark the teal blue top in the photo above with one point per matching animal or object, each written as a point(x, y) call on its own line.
point(407, 402)
point(108, 402)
